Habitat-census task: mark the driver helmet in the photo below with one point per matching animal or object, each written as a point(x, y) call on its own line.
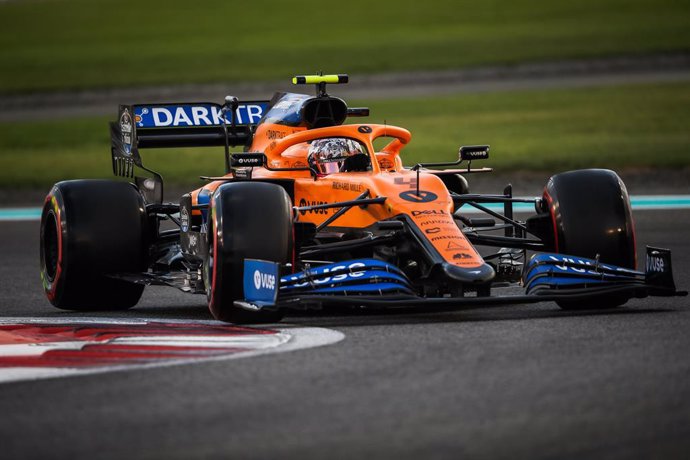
point(327, 156)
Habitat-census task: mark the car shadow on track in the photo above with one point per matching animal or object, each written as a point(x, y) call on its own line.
point(350, 317)
point(148, 312)
point(355, 318)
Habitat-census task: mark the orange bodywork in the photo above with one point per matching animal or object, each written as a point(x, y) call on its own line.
point(431, 211)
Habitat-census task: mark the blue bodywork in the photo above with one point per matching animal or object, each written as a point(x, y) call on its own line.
point(372, 282)
point(287, 111)
point(203, 114)
point(559, 272)
point(354, 277)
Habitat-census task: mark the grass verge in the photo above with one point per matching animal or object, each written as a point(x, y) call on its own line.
point(622, 127)
point(48, 45)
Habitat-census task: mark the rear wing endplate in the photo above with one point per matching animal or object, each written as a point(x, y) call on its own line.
point(198, 124)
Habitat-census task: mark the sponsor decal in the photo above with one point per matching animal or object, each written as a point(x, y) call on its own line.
point(466, 263)
point(429, 212)
point(264, 280)
point(461, 256)
point(248, 159)
point(34, 348)
point(351, 274)
point(454, 246)
point(435, 222)
point(655, 263)
point(414, 194)
point(477, 155)
point(446, 237)
point(474, 153)
point(386, 164)
point(589, 263)
point(412, 182)
point(272, 134)
point(193, 240)
point(260, 281)
point(243, 173)
point(197, 115)
point(347, 186)
point(139, 116)
point(126, 130)
point(422, 197)
point(432, 230)
point(304, 203)
point(364, 129)
point(184, 219)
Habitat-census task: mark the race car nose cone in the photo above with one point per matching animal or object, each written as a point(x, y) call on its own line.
point(482, 274)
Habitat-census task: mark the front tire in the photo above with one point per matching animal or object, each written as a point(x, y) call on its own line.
point(247, 220)
point(591, 214)
point(91, 229)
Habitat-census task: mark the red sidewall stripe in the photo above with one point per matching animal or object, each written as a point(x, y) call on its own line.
point(552, 211)
point(51, 292)
point(214, 219)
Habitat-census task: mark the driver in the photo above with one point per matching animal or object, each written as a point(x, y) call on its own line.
point(337, 154)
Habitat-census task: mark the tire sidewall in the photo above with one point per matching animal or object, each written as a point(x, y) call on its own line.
point(238, 228)
point(101, 231)
point(53, 208)
point(591, 214)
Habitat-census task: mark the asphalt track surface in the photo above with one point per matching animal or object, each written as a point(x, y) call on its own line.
point(508, 382)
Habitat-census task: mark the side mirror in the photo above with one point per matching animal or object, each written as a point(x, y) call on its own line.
point(474, 152)
point(358, 111)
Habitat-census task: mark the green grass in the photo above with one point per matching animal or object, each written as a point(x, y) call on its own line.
point(60, 44)
point(624, 127)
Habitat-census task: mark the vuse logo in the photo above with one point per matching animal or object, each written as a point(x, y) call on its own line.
point(264, 280)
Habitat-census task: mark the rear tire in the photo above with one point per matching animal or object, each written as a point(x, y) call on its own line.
point(591, 215)
point(91, 229)
point(455, 183)
point(247, 220)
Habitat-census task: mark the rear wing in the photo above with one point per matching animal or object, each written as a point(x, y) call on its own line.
point(197, 124)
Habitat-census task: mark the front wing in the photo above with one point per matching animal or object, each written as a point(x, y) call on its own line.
point(377, 284)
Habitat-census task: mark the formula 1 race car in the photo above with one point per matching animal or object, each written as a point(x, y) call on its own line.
point(311, 214)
